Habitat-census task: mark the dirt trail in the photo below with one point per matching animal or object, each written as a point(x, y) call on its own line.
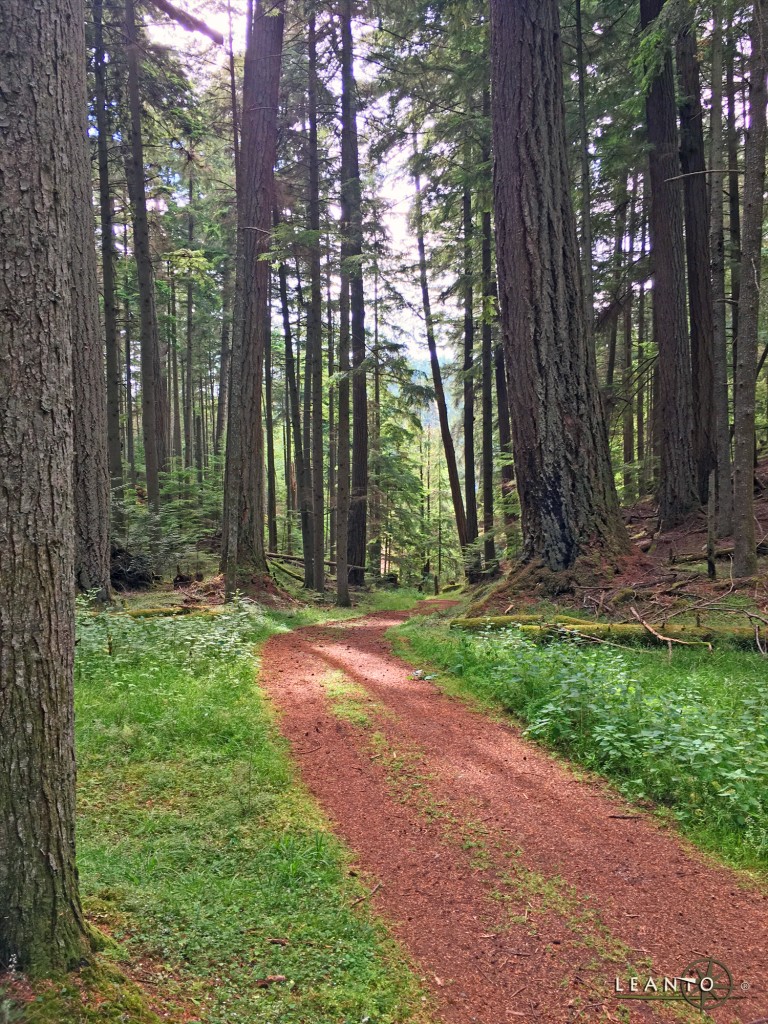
point(520, 891)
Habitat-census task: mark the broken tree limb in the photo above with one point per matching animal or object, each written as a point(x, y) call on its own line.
point(188, 21)
point(668, 640)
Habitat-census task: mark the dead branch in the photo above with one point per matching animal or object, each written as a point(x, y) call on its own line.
point(188, 21)
point(668, 640)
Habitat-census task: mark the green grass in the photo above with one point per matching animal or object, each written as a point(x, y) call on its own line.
point(198, 848)
point(689, 734)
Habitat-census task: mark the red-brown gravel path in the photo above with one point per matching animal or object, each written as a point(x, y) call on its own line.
point(523, 956)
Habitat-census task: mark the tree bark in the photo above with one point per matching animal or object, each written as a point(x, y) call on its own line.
point(745, 371)
point(437, 377)
point(91, 466)
point(42, 182)
point(564, 476)
point(106, 210)
point(678, 494)
point(724, 488)
point(189, 399)
point(489, 544)
point(302, 470)
point(314, 320)
point(586, 175)
point(697, 240)
point(270, 432)
point(643, 476)
point(243, 531)
point(152, 418)
point(176, 449)
point(331, 416)
point(352, 198)
point(342, 486)
point(734, 185)
point(468, 368)
point(226, 313)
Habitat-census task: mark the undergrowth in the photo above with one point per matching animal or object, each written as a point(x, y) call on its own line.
point(199, 853)
point(689, 734)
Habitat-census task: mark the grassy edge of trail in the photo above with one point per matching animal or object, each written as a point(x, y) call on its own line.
point(686, 739)
point(224, 894)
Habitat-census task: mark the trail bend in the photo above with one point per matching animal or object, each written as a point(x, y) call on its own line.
point(519, 890)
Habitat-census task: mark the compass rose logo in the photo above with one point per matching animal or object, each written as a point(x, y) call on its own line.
point(708, 983)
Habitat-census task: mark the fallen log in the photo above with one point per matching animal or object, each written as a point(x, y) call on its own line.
point(286, 570)
point(632, 633)
point(719, 554)
point(275, 557)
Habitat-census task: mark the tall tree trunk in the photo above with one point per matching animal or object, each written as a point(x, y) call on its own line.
point(315, 319)
point(243, 532)
point(91, 466)
point(199, 454)
point(129, 445)
point(628, 418)
point(309, 574)
point(287, 473)
point(620, 230)
point(489, 544)
point(586, 175)
point(42, 929)
point(342, 492)
point(331, 416)
point(564, 476)
point(745, 371)
point(643, 483)
point(505, 436)
point(221, 405)
point(106, 211)
point(152, 419)
point(352, 199)
point(490, 316)
point(724, 489)
point(734, 184)
point(468, 368)
point(302, 470)
point(678, 494)
point(189, 402)
point(437, 377)
point(697, 240)
point(375, 522)
point(270, 431)
point(178, 450)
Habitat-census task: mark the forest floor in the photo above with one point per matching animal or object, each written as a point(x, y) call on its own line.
point(664, 578)
point(521, 888)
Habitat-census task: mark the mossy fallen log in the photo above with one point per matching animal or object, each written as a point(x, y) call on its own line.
point(628, 633)
point(286, 570)
point(166, 613)
point(154, 613)
point(525, 620)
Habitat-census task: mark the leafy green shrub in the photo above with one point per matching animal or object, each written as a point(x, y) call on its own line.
point(690, 734)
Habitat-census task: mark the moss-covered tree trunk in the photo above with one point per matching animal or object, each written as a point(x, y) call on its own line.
point(565, 481)
point(41, 922)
